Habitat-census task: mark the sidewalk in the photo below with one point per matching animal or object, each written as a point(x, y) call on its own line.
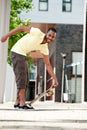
point(46, 116)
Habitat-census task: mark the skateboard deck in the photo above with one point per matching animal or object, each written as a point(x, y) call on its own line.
point(48, 92)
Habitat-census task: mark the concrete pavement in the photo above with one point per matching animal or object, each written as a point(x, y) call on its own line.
point(46, 116)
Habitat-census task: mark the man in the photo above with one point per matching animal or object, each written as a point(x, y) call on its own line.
point(35, 39)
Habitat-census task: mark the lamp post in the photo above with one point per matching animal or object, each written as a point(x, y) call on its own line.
point(63, 69)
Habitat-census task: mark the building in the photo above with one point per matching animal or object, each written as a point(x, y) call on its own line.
point(67, 16)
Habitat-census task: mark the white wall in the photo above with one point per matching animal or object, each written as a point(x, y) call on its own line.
point(55, 14)
point(10, 85)
point(84, 45)
point(4, 27)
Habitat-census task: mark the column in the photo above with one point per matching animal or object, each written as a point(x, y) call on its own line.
point(84, 49)
point(4, 27)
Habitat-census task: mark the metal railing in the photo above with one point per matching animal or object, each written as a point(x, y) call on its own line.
point(66, 94)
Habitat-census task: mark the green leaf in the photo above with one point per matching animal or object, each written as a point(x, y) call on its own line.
point(17, 6)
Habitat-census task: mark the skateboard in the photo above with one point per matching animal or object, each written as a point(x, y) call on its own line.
point(48, 92)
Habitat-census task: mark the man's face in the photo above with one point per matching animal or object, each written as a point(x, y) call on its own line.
point(50, 36)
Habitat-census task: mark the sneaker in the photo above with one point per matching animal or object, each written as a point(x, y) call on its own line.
point(16, 105)
point(26, 107)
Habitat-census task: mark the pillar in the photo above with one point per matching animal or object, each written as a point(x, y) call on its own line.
point(4, 27)
point(84, 54)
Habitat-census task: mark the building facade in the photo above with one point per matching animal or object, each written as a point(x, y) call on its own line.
point(67, 16)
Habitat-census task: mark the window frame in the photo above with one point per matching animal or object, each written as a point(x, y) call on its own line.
point(78, 66)
point(64, 3)
point(32, 72)
point(43, 1)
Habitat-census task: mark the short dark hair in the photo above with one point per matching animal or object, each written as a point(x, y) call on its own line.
point(52, 29)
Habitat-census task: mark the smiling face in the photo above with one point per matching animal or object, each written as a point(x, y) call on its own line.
point(50, 36)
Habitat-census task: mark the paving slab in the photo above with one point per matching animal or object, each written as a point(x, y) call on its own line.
point(47, 115)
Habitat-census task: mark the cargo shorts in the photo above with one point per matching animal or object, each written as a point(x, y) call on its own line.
point(20, 68)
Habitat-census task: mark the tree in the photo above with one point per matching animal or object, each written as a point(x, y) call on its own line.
point(17, 6)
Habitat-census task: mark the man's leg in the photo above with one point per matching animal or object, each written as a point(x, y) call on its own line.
point(23, 105)
point(22, 96)
point(17, 102)
point(20, 68)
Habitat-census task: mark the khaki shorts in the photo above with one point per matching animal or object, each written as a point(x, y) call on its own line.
point(20, 67)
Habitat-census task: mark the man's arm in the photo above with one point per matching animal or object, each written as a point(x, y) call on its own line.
point(49, 69)
point(14, 31)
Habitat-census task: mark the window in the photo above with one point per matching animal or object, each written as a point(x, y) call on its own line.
point(67, 6)
point(43, 5)
point(77, 60)
point(32, 72)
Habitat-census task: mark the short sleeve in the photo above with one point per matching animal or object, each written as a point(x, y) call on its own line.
point(37, 32)
point(44, 49)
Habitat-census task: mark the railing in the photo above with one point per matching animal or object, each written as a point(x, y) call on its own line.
point(66, 95)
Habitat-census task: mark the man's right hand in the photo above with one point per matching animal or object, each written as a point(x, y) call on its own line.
point(4, 38)
point(54, 83)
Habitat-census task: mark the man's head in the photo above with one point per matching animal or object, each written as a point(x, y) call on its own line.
point(51, 35)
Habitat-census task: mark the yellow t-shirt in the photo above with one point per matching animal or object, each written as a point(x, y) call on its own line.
point(31, 42)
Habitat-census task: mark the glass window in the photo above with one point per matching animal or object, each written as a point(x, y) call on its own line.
point(32, 72)
point(66, 0)
point(67, 6)
point(43, 5)
point(77, 60)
